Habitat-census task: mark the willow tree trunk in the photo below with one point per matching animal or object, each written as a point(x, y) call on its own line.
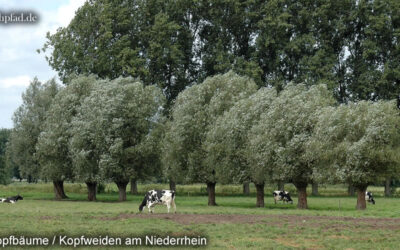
point(302, 195)
point(91, 186)
point(388, 190)
point(211, 193)
point(314, 189)
point(122, 190)
point(172, 185)
point(246, 188)
point(134, 189)
point(351, 190)
point(361, 203)
point(260, 195)
point(281, 185)
point(59, 190)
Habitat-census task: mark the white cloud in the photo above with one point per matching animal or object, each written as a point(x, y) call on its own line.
point(66, 12)
point(18, 81)
point(19, 61)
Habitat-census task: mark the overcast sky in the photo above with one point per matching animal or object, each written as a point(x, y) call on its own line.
point(19, 61)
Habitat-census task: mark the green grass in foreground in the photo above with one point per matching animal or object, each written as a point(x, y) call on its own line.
point(285, 227)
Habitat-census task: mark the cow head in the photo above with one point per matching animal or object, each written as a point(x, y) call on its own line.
point(287, 197)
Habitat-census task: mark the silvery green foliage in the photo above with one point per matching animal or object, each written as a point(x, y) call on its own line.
point(194, 114)
point(227, 140)
point(112, 137)
point(278, 142)
point(53, 144)
point(28, 123)
point(358, 142)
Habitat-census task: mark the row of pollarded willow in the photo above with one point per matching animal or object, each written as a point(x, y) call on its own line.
point(224, 129)
point(283, 136)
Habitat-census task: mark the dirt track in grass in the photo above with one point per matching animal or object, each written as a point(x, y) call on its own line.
point(292, 221)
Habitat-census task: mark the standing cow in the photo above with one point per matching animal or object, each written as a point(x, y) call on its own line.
point(369, 197)
point(281, 195)
point(158, 197)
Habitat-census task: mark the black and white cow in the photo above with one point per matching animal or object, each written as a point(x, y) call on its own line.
point(369, 197)
point(11, 199)
point(158, 197)
point(281, 195)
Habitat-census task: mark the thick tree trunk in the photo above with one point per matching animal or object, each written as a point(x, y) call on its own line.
point(122, 190)
point(211, 193)
point(315, 189)
point(281, 185)
point(59, 190)
point(134, 189)
point(388, 190)
point(246, 188)
point(91, 186)
point(260, 195)
point(172, 185)
point(302, 195)
point(361, 203)
point(351, 190)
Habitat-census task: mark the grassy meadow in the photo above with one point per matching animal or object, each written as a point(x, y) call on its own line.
point(331, 222)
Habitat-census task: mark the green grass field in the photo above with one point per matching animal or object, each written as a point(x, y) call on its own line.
point(331, 222)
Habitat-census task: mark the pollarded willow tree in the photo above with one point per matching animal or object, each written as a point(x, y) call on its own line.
point(227, 142)
point(278, 142)
point(53, 151)
point(193, 115)
point(28, 123)
point(357, 143)
point(113, 137)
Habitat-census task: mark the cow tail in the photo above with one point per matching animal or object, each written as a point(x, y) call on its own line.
point(144, 202)
point(173, 195)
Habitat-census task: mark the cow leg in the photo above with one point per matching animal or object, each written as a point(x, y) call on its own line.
point(173, 204)
point(168, 206)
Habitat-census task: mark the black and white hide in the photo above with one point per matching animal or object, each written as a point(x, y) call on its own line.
point(13, 199)
point(281, 195)
point(369, 197)
point(158, 197)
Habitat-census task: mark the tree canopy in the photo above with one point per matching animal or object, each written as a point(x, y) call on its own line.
point(53, 146)
point(357, 144)
point(5, 170)
point(193, 115)
point(278, 142)
point(28, 123)
point(351, 45)
point(112, 132)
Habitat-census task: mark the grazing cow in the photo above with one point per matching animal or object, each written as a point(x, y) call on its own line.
point(369, 197)
point(282, 195)
point(161, 197)
point(11, 199)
